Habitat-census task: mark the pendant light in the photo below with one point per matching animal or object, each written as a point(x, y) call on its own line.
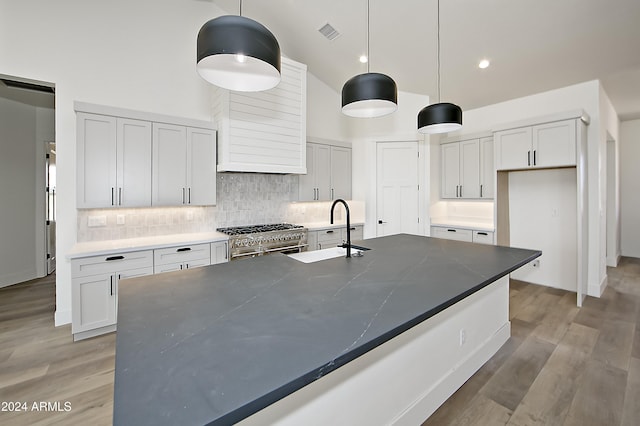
point(238, 53)
point(370, 94)
point(442, 117)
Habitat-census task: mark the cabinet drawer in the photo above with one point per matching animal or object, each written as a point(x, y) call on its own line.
point(88, 266)
point(356, 233)
point(452, 233)
point(181, 254)
point(330, 235)
point(483, 237)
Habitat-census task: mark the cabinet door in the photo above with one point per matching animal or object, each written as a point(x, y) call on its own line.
point(312, 240)
point(94, 302)
point(323, 172)
point(201, 167)
point(554, 144)
point(133, 171)
point(487, 170)
point(456, 234)
point(513, 149)
point(340, 173)
point(132, 273)
point(307, 183)
point(355, 231)
point(96, 160)
point(219, 252)
point(469, 169)
point(450, 156)
point(169, 165)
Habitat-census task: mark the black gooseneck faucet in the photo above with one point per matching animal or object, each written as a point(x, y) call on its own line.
point(346, 206)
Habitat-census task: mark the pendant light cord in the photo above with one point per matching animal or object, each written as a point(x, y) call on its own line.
point(438, 38)
point(368, 35)
point(240, 7)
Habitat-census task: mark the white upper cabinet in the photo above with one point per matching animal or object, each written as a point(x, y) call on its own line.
point(461, 169)
point(340, 173)
point(114, 161)
point(545, 145)
point(487, 168)
point(328, 174)
point(264, 131)
point(184, 161)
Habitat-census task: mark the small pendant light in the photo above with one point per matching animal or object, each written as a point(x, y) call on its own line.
point(442, 117)
point(370, 94)
point(238, 53)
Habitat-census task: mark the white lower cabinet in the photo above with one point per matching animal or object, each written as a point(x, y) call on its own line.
point(181, 257)
point(219, 252)
point(94, 284)
point(462, 234)
point(325, 238)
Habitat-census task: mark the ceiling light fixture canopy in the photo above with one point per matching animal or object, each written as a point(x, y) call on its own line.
point(371, 94)
point(238, 53)
point(441, 117)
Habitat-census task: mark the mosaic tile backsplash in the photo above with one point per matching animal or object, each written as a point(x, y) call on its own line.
point(242, 199)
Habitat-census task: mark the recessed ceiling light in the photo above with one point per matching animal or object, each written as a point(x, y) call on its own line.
point(483, 63)
point(363, 59)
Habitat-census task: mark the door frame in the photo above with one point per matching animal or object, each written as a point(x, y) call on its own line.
point(423, 181)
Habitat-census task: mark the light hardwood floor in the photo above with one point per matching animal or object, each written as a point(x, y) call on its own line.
point(562, 365)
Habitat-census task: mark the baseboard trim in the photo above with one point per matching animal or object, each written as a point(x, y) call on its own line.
point(596, 291)
point(62, 318)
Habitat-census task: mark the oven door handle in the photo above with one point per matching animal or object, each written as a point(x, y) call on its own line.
point(298, 246)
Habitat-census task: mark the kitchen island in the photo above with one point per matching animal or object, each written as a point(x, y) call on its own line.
point(399, 329)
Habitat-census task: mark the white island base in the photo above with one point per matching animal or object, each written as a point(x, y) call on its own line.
point(404, 380)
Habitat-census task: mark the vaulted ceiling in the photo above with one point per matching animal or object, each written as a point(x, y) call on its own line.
point(533, 45)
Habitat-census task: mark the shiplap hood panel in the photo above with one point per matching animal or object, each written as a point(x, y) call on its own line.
point(264, 132)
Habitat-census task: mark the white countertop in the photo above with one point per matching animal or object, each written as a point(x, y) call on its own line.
point(98, 248)
point(475, 224)
point(319, 226)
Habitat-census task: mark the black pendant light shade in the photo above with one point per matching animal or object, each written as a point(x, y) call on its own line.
point(238, 53)
point(440, 118)
point(369, 95)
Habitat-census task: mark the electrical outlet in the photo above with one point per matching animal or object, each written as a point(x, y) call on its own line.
point(120, 219)
point(463, 336)
point(95, 221)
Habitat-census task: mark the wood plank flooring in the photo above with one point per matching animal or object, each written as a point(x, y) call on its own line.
point(563, 365)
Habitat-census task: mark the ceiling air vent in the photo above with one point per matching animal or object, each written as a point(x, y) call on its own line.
point(329, 32)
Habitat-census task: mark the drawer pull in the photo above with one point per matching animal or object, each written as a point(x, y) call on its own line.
point(451, 230)
point(352, 229)
point(184, 249)
point(329, 232)
point(482, 233)
point(114, 258)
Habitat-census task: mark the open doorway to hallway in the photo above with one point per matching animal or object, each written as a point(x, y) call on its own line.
point(27, 128)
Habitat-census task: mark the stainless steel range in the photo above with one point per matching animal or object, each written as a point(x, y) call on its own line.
point(257, 240)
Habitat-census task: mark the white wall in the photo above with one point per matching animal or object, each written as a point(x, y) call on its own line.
point(138, 55)
point(630, 187)
point(590, 97)
point(324, 117)
point(365, 132)
point(17, 183)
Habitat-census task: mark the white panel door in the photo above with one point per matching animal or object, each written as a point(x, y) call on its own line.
point(96, 160)
point(95, 302)
point(219, 252)
point(469, 169)
point(169, 165)
point(513, 149)
point(201, 167)
point(554, 144)
point(450, 160)
point(397, 188)
point(133, 169)
point(487, 169)
point(340, 173)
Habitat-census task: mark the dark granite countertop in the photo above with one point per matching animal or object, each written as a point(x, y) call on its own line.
point(219, 343)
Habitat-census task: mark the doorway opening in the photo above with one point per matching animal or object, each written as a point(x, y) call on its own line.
point(613, 205)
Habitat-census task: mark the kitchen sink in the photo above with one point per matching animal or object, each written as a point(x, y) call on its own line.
point(328, 253)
